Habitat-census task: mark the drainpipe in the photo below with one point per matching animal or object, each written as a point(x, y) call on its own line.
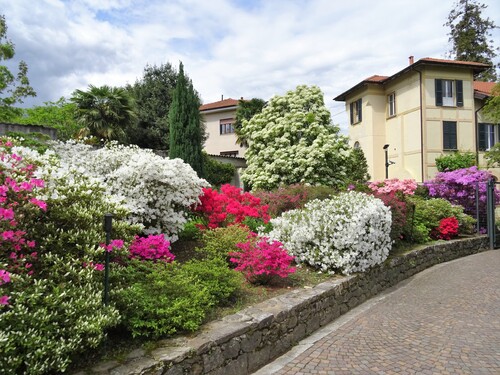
point(476, 126)
point(421, 125)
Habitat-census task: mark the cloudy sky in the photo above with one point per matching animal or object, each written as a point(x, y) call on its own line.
point(235, 48)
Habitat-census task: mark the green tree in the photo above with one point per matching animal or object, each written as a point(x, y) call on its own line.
point(59, 115)
point(13, 88)
point(457, 160)
point(470, 36)
point(293, 141)
point(105, 112)
point(491, 110)
point(357, 170)
point(186, 127)
point(245, 111)
point(216, 172)
point(153, 96)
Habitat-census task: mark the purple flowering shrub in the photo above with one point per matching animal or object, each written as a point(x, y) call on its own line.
point(459, 187)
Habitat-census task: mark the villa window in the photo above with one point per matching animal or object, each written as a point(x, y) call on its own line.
point(226, 126)
point(449, 135)
point(488, 136)
point(355, 110)
point(391, 104)
point(449, 93)
point(229, 153)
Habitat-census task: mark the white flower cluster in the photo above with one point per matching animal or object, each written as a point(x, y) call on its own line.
point(157, 191)
point(293, 140)
point(349, 232)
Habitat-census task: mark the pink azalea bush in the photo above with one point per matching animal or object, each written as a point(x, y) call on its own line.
point(18, 204)
point(229, 206)
point(261, 261)
point(153, 247)
point(394, 185)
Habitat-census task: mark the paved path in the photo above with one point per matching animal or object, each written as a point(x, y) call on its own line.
point(444, 320)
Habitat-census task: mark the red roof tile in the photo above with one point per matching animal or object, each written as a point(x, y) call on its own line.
point(376, 78)
point(484, 87)
point(220, 104)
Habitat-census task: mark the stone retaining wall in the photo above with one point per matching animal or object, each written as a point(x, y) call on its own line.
point(242, 343)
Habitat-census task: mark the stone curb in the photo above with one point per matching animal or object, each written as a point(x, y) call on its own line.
point(241, 343)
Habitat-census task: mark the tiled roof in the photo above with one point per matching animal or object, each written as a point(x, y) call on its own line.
point(454, 62)
point(220, 104)
point(484, 87)
point(376, 79)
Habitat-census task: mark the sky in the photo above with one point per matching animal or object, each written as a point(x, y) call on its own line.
point(229, 48)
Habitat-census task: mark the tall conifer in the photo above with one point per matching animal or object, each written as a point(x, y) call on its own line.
point(186, 129)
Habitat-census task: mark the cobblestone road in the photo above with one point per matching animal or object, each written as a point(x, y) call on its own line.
point(444, 320)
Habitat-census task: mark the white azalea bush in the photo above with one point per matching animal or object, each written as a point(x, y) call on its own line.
point(347, 233)
point(157, 191)
point(294, 141)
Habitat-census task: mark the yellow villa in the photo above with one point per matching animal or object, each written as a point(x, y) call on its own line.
point(405, 121)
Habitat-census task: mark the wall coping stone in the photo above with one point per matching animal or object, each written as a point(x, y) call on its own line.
point(241, 343)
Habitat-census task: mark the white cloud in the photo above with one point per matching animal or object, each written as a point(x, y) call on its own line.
point(235, 48)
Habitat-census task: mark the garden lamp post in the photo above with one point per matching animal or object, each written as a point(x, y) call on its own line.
point(387, 161)
point(108, 226)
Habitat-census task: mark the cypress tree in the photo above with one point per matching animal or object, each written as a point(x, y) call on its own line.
point(186, 130)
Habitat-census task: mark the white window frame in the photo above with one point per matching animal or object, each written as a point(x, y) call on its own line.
point(391, 104)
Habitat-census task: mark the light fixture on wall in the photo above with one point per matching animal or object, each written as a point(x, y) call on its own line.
point(387, 161)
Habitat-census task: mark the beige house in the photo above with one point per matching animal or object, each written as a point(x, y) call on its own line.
point(219, 119)
point(221, 143)
point(430, 108)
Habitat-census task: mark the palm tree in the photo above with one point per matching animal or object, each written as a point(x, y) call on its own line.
point(105, 112)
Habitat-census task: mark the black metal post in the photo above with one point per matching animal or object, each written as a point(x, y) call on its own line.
point(491, 212)
point(108, 226)
point(478, 224)
point(386, 161)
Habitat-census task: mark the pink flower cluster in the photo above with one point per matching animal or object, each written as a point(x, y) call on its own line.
point(153, 247)
point(18, 204)
point(229, 206)
point(394, 185)
point(113, 245)
point(260, 260)
point(448, 228)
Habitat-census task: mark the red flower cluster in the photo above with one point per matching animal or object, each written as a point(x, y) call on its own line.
point(229, 206)
point(448, 228)
point(260, 261)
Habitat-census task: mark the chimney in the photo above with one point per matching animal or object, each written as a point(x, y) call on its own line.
point(410, 60)
point(241, 98)
point(222, 97)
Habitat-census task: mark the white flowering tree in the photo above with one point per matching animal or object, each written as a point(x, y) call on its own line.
point(294, 141)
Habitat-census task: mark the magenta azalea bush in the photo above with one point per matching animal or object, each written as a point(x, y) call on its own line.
point(153, 247)
point(394, 185)
point(261, 261)
point(459, 187)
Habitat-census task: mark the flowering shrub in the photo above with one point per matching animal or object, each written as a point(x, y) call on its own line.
point(229, 206)
point(151, 248)
point(56, 311)
point(261, 260)
point(219, 242)
point(394, 185)
point(448, 228)
point(349, 232)
point(157, 191)
point(459, 187)
point(428, 214)
point(400, 210)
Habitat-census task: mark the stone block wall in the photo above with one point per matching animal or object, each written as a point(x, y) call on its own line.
point(242, 343)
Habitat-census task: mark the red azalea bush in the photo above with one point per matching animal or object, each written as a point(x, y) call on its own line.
point(229, 206)
point(400, 210)
point(155, 248)
point(284, 198)
point(261, 261)
point(448, 228)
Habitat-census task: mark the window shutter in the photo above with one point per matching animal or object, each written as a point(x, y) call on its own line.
point(460, 93)
point(481, 137)
point(351, 111)
point(439, 92)
point(449, 135)
point(359, 110)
